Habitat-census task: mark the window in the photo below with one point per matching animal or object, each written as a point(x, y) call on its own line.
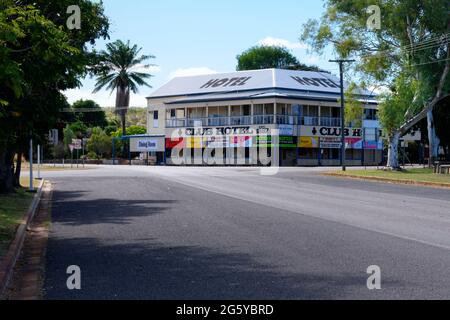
point(371, 114)
point(155, 119)
point(173, 113)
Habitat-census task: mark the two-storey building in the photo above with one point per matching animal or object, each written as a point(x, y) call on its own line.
point(232, 116)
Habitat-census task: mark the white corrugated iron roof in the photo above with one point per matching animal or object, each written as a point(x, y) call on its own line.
point(250, 83)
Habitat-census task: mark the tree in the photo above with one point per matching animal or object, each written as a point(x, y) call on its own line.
point(268, 57)
point(39, 58)
point(117, 71)
point(69, 135)
point(411, 47)
point(100, 143)
point(90, 113)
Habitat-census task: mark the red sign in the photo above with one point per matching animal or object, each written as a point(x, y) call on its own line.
point(174, 143)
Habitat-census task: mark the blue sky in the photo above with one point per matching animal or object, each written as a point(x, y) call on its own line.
point(203, 36)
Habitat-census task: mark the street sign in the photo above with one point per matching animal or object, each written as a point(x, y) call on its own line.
point(71, 147)
point(77, 143)
point(53, 138)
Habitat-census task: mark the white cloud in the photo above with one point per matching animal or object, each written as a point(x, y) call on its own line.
point(142, 68)
point(103, 98)
point(187, 72)
point(278, 42)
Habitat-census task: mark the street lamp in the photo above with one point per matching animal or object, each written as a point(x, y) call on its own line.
point(341, 71)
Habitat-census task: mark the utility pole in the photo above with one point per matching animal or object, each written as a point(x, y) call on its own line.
point(341, 71)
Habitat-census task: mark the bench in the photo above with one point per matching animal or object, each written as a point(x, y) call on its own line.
point(444, 169)
point(439, 164)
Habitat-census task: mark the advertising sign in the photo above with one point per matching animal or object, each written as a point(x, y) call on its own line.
point(329, 132)
point(241, 142)
point(286, 130)
point(287, 142)
point(147, 145)
point(194, 143)
point(308, 142)
point(330, 143)
point(217, 142)
point(174, 143)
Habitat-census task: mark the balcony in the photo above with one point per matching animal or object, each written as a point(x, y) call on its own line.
point(250, 120)
point(323, 121)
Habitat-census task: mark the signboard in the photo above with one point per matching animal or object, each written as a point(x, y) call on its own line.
point(221, 131)
point(77, 144)
point(174, 143)
point(353, 143)
point(147, 145)
point(194, 143)
point(53, 137)
point(330, 143)
point(217, 142)
point(286, 130)
point(241, 142)
point(308, 142)
point(313, 131)
point(287, 142)
point(412, 136)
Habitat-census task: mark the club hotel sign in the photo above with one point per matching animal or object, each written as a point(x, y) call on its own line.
point(295, 114)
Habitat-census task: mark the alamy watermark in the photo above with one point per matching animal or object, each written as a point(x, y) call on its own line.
point(374, 280)
point(74, 280)
point(232, 146)
point(374, 21)
point(74, 20)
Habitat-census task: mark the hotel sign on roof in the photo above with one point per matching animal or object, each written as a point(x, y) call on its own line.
point(302, 81)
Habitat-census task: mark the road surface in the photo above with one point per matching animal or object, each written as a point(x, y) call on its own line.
point(230, 233)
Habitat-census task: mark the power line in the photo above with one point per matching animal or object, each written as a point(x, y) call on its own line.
point(420, 46)
point(436, 61)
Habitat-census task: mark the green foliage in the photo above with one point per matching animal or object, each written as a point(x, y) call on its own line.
point(99, 143)
point(267, 57)
point(79, 129)
point(135, 117)
point(58, 151)
point(354, 107)
point(68, 136)
point(403, 55)
point(117, 69)
point(40, 58)
point(92, 155)
point(84, 112)
point(131, 131)
point(396, 103)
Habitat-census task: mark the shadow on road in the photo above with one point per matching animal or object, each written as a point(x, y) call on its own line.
point(148, 270)
point(73, 209)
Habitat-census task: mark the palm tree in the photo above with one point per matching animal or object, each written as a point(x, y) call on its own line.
point(119, 70)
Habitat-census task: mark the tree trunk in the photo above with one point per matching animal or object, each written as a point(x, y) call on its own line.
point(124, 122)
point(6, 172)
point(433, 139)
point(392, 161)
point(18, 170)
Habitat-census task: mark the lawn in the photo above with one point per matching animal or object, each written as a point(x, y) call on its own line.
point(12, 209)
point(50, 167)
point(409, 175)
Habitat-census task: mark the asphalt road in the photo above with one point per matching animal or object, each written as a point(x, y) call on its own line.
point(230, 233)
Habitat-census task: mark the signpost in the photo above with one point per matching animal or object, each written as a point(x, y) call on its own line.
point(31, 165)
point(341, 71)
point(77, 145)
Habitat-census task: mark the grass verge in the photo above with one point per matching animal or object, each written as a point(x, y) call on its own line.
point(409, 176)
point(12, 210)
